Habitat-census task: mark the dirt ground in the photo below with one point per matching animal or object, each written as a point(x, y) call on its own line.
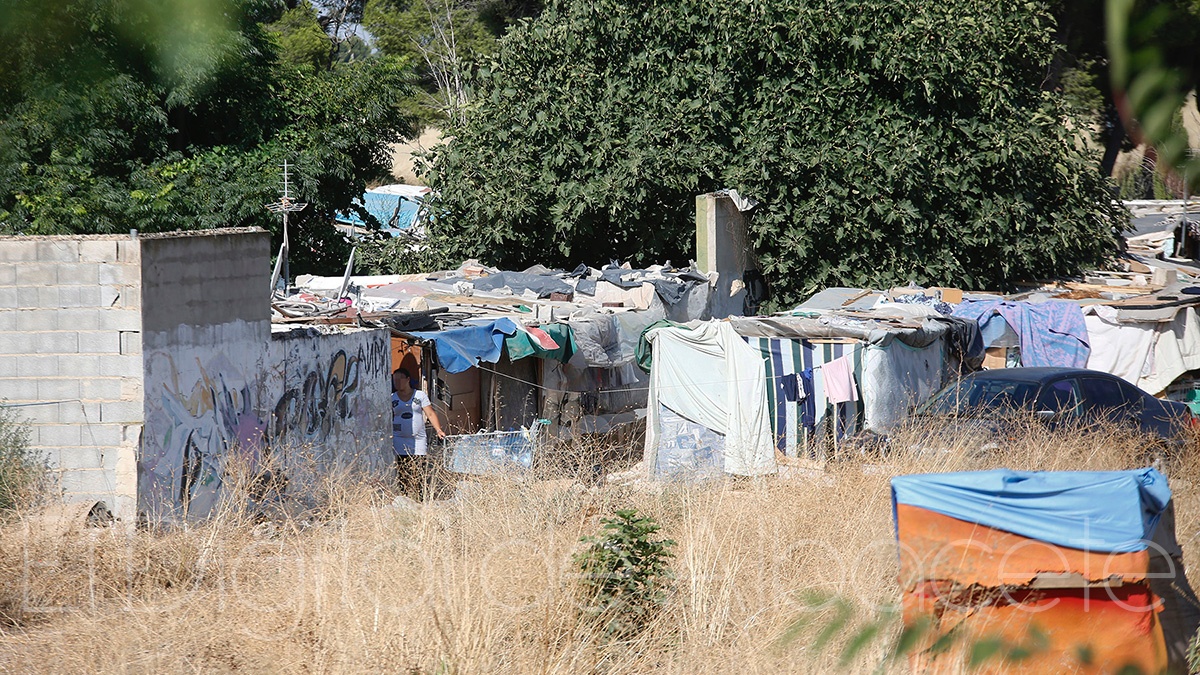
point(402, 161)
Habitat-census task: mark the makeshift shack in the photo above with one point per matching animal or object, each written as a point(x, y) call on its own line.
point(1150, 341)
point(1149, 337)
point(1054, 565)
point(498, 350)
point(1147, 334)
point(724, 396)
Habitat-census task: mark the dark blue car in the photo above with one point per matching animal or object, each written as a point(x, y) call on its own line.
point(1059, 394)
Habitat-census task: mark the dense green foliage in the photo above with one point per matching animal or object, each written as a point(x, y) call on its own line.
point(123, 114)
point(404, 27)
point(887, 142)
point(442, 39)
point(625, 573)
point(406, 253)
point(301, 39)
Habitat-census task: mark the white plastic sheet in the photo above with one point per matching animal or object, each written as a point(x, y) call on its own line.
point(897, 377)
point(709, 375)
point(1150, 354)
point(1122, 349)
point(1176, 351)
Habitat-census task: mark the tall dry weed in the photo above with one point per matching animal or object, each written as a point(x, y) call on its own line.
point(480, 578)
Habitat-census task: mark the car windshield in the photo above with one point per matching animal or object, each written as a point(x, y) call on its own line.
point(974, 395)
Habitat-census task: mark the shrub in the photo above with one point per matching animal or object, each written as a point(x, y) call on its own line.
point(625, 575)
point(22, 472)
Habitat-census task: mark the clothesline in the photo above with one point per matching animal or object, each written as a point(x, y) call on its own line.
point(5, 404)
point(558, 391)
point(630, 389)
point(515, 379)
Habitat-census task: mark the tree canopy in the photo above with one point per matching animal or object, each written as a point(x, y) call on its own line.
point(441, 39)
point(887, 142)
point(177, 114)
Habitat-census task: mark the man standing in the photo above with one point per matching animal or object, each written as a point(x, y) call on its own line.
point(410, 410)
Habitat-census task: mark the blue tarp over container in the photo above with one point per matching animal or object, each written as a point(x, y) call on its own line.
point(394, 206)
point(1110, 511)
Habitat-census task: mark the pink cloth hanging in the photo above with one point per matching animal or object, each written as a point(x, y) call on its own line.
point(839, 381)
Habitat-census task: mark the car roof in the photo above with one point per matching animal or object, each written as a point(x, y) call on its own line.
point(1033, 374)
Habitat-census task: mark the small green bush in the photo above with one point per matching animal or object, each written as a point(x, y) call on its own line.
point(404, 254)
point(23, 473)
point(625, 575)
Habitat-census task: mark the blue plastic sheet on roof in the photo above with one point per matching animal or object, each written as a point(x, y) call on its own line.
point(1109, 511)
point(459, 349)
point(394, 212)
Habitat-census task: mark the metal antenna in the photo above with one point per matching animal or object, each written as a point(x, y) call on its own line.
point(284, 206)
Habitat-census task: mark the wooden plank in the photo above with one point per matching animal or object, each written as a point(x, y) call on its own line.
point(833, 341)
point(857, 296)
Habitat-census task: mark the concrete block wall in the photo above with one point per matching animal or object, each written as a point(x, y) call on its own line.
point(206, 318)
point(147, 371)
point(71, 358)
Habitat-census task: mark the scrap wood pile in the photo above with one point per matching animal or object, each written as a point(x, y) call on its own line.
point(1176, 246)
point(595, 316)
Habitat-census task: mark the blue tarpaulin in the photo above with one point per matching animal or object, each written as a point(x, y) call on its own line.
point(459, 349)
point(1109, 511)
point(394, 208)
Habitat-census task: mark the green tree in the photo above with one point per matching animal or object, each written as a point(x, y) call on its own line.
point(301, 39)
point(887, 142)
point(177, 114)
point(625, 573)
point(442, 39)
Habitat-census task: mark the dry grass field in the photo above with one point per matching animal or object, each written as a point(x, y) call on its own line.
point(483, 582)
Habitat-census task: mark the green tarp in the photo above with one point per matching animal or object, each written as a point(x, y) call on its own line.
point(643, 354)
point(521, 344)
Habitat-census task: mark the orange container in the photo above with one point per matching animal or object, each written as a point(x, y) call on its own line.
point(1060, 609)
point(938, 547)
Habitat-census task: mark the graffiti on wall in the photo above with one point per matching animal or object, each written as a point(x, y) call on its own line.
point(252, 409)
point(199, 417)
point(319, 398)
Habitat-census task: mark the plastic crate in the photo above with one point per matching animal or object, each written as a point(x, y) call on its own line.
point(491, 452)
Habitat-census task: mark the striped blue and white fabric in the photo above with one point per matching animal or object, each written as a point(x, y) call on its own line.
point(795, 423)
